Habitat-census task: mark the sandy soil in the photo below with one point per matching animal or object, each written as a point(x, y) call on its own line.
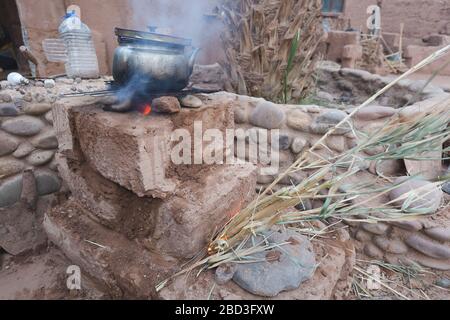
point(41, 276)
point(399, 286)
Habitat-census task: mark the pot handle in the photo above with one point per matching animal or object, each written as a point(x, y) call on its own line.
point(192, 58)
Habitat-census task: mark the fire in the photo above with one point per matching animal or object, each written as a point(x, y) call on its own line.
point(146, 109)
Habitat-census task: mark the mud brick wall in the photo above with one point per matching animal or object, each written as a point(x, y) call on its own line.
point(421, 18)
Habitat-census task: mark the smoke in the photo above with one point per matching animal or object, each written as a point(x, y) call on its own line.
point(136, 85)
point(184, 18)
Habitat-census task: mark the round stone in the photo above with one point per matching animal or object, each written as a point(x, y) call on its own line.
point(443, 283)
point(284, 142)
point(439, 233)
point(49, 83)
point(8, 110)
point(391, 245)
point(47, 182)
point(374, 113)
point(9, 167)
point(418, 194)
point(304, 205)
point(373, 251)
point(299, 120)
point(8, 144)
point(375, 228)
point(280, 269)
point(298, 145)
point(166, 105)
point(267, 115)
point(265, 179)
point(46, 141)
point(10, 191)
point(39, 158)
point(23, 126)
point(225, 273)
point(23, 150)
point(363, 236)
point(446, 187)
point(49, 117)
point(191, 101)
point(328, 120)
point(413, 225)
point(336, 143)
point(387, 168)
point(37, 108)
point(293, 178)
point(428, 247)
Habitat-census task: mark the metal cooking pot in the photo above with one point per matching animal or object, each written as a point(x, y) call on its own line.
point(159, 62)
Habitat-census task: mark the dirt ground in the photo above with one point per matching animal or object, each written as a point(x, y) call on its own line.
point(41, 276)
point(398, 285)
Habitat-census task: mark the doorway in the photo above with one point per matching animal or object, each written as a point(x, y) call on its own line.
point(10, 40)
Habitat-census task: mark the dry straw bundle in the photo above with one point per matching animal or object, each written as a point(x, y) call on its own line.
point(330, 178)
point(271, 46)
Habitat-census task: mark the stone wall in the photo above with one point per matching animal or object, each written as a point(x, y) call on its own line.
point(27, 138)
point(425, 241)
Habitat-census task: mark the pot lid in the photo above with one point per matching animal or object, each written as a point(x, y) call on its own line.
point(150, 36)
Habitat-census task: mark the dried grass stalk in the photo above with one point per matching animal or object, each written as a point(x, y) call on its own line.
point(258, 40)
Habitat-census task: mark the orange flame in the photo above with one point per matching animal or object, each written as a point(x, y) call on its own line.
point(146, 110)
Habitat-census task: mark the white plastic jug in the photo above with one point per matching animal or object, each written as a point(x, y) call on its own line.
point(81, 58)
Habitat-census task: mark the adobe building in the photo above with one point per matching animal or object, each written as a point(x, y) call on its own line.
point(30, 22)
point(426, 27)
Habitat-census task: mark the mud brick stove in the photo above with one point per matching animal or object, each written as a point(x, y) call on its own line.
point(134, 217)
